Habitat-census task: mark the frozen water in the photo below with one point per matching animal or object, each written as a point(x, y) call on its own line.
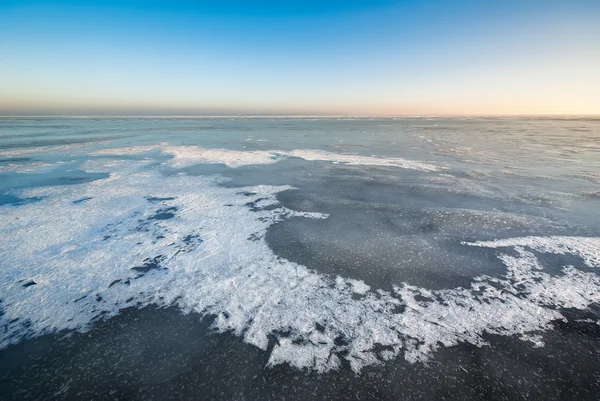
point(85, 252)
point(328, 246)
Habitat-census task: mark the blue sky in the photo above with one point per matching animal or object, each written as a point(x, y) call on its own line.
point(300, 57)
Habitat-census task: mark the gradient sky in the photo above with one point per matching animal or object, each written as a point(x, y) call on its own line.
point(300, 57)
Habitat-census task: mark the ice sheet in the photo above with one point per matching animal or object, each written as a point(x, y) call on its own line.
point(84, 252)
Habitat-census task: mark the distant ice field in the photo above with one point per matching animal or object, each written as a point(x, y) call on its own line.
point(324, 243)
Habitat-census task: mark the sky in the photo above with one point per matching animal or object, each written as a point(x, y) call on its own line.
point(289, 57)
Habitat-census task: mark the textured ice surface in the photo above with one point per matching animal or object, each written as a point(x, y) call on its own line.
point(84, 252)
point(587, 248)
point(361, 160)
point(187, 155)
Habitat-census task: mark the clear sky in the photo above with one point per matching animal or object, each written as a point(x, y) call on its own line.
point(375, 57)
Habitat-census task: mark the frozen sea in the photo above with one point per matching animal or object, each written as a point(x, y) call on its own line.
point(299, 258)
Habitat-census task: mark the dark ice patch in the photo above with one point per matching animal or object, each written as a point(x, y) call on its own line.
point(190, 242)
point(158, 199)
point(580, 321)
point(61, 175)
point(357, 296)
point(8, 199)
point(164, 214)
point(150, 264)
point(254, 205)
point(554, 264)
point(82, 200)
point(113, 283)
point(254, 237)
point(77, 177)
point(192, 238)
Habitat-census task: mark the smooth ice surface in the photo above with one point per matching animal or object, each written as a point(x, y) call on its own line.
point(84, 252)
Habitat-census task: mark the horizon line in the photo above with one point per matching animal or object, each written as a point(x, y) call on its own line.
point(298, 116)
